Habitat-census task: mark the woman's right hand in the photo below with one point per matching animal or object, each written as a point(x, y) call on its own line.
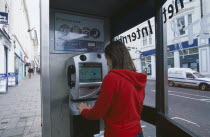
point(83, 106)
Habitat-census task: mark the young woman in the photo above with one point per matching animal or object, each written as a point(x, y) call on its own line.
point(121, 97)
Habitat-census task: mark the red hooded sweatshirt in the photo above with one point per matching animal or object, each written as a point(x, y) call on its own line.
point(120, 103)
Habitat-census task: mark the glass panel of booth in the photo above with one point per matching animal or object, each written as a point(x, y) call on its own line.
point(140, 42)
point(188, 38)
point(188, 60)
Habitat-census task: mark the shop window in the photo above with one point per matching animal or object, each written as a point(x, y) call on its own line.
point(184, 52)
point(190, 61)
point(146, 65)
point(170, 54)
point(170, 59)
point(142, 59)
point(188, 51)
point(148, 58)
point(193, 51)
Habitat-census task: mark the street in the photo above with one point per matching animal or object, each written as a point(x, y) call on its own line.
point(189, 107)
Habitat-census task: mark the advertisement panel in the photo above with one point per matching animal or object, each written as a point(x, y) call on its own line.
point(78, 33)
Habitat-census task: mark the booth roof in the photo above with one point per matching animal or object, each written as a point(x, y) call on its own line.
point(123, 14)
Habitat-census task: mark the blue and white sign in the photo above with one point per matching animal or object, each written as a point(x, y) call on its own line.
point(3, 18)
point(3, 83)
point(12, 79)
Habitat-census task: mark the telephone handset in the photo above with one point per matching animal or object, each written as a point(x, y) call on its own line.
point(71, 70)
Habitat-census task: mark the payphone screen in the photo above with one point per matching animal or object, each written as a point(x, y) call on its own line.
point(90, 72)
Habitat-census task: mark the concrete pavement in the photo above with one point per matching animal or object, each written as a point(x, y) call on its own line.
point(20, 109)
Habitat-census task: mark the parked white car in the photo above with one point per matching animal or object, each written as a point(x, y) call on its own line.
point(187, 77)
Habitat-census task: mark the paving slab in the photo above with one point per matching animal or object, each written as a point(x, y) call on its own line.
point(13, 132)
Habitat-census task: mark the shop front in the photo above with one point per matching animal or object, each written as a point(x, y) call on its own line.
point(189, 58)
point(5, 47)
point(19, 67)
point(148, 62)
point(19, 61)
point(146, 65)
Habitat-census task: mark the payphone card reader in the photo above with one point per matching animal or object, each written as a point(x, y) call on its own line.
point(85, 74)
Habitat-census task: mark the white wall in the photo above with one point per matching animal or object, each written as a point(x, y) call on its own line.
point(34, 16)
point(206, 10)
point(11, 58)
point(2, 5)
point(2, 65)
point(176, 59)
point(19, 26)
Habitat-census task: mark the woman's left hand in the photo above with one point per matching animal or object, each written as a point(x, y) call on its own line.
point(83, 106)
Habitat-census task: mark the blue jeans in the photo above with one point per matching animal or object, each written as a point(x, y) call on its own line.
point(140, 134)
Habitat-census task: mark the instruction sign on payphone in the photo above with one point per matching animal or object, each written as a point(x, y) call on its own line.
point(78, 33)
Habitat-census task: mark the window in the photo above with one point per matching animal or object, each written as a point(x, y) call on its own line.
point(189, 75)
point(181, 25)
point(170, 54)
point(6, 8)
point(198, 75)
point(178, 1)
point(144, 40)
point(193, 51)
point(185, 52)
point(185, 97)
point(189, 19)
point(150, 38)
point(148, 58)
point(188, 51)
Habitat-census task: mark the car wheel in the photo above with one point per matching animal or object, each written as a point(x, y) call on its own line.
point(171, 84)
point(203, 87)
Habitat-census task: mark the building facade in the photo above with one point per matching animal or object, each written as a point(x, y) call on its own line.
point(186, 46)
point(18, 43)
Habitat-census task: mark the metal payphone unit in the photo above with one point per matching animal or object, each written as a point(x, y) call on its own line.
point(84, 74)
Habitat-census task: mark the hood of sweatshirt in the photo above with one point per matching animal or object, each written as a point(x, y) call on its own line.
point(139, 80)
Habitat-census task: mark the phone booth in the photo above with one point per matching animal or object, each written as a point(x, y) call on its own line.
point(74, 34)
